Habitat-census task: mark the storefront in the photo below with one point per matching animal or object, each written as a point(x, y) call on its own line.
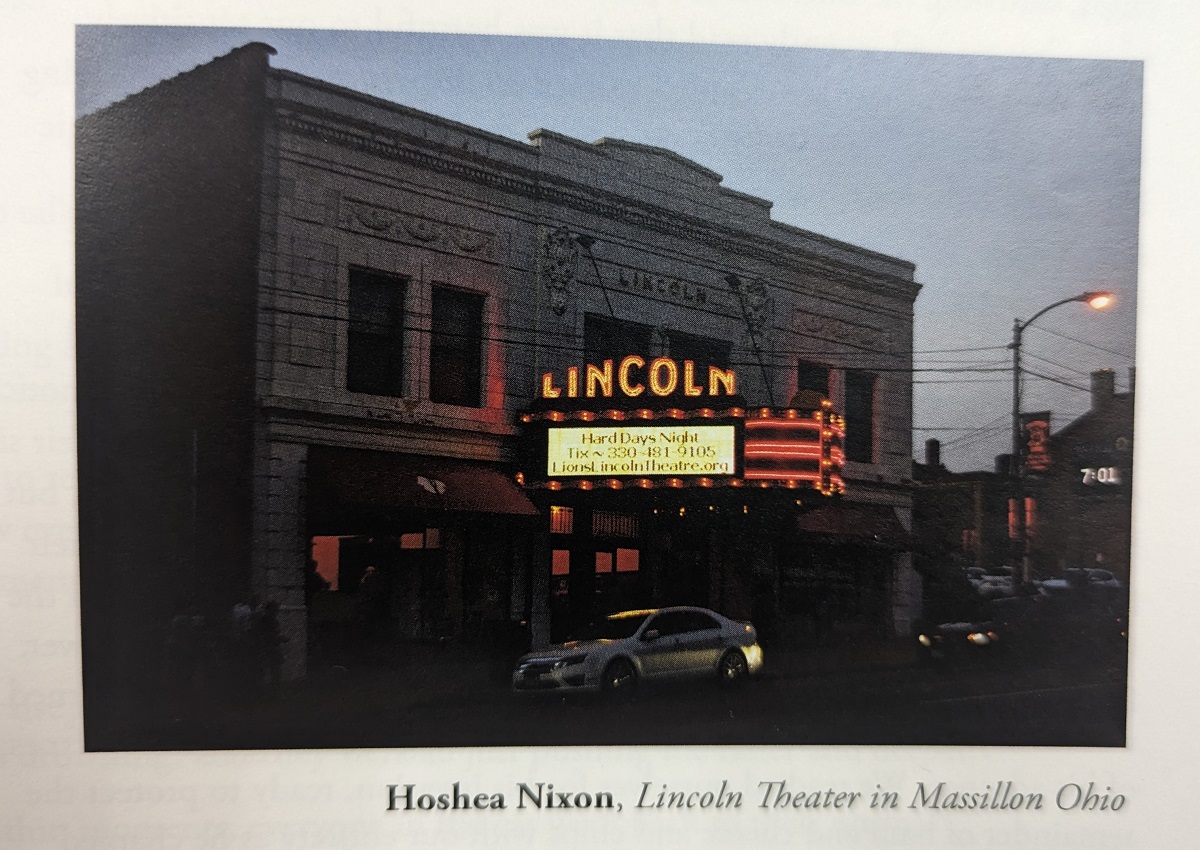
point(411, 549)
point(662, 488)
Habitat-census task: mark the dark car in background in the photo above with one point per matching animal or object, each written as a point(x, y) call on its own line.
point(959, 622)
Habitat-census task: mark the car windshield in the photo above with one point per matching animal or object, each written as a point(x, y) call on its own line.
point(616, 627)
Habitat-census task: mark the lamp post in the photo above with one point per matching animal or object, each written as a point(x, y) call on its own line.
point(1095, 300)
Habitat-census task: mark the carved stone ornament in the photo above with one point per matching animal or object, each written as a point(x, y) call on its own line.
point(757, 306)
point(558, 261)
point(832, 331)
point(402, 227)
point(760, 307)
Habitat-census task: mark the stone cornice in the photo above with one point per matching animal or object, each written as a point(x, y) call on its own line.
point(306, 120)
point(282, 415)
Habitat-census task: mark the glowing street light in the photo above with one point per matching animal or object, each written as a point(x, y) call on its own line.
point(1095, 300)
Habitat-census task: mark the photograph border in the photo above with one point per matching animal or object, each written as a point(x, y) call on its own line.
point(334, 799)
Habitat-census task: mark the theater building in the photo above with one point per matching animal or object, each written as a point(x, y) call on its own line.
point(416, 381)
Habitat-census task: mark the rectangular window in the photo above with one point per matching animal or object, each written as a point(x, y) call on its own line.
point(610, 524)
point(375, 338)
point(812, 378)
point(612, 339)
point(430, 538)
point(562, 520)
point(860, 416)
point(701, 350)
point(412, 540)
point(456, 352)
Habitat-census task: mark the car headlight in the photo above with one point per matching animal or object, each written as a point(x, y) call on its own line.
point(979, 638)
point(569, 661)
point(924, 640)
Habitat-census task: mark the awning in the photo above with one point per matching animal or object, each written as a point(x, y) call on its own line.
point(350, 477)
point(864, 525)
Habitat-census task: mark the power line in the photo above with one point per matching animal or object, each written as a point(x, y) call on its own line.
point(960, 350)
point(1123, 355)
point(952, 428)
point(530, 338)
point(982, 432)
point(1057, 364)
point(1057, 381)
point(966, 381)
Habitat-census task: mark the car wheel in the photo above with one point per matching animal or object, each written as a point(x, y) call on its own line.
point(620, 679)
point(732, 668)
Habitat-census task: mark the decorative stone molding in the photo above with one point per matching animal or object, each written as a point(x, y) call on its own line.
point(396, 226)
point(558, 262)
point(758, 307)
point(828, 329)
point(529, 183)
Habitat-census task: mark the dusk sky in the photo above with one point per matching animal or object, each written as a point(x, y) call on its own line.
point(1011, 183)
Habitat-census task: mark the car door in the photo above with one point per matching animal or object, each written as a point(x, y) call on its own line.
point(660, 649)
point(679, 644)
point(700, 643)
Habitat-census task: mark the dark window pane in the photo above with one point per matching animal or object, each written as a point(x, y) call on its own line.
point(812, 377)
point(704, 352)
point(694, 621)
point(860, 416)
point(612, 339)
point(456, 368)
point(666, 624)
point(375, 339)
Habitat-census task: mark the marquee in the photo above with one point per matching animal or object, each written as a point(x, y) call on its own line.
point(705, 445)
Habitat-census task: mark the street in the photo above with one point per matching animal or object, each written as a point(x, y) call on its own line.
point(1064, 699)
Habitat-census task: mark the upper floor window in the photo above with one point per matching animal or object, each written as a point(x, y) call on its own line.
point(612, 524)
point(812, 378)
point(375, 339)
point(701, 350)
point(562, 520)
point(456, 350)
point(612, 339)
point(860, 416)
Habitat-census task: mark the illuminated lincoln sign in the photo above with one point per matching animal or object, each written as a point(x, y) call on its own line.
point(679, 426)
point(642, 450)
point(636, 376)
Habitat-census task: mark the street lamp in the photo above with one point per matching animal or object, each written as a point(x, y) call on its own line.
point(1095, 300)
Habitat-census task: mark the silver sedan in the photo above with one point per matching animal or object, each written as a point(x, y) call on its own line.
point(646, 645)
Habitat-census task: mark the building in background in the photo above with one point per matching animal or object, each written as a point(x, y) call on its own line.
point(960, 518)
point(1076, 490)
point(319, 339)
point(1085, 496)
